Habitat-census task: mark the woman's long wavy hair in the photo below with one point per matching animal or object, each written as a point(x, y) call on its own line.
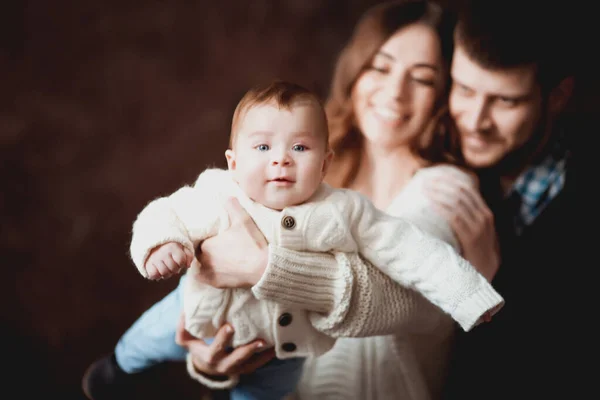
point(376, 26)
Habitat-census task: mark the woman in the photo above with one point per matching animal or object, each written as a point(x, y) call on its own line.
point(387, 96)
point(387, 93)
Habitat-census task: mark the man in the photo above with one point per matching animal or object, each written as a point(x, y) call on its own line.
point(508, 97)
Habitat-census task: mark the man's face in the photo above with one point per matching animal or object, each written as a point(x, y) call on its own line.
point(495, 111)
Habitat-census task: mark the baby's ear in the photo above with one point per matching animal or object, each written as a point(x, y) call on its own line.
point(230, 156)
point(327, 162)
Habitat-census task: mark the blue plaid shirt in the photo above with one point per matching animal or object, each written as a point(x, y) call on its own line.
point(536, 187)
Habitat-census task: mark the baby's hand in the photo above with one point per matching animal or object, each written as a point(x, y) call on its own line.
point(168, 260)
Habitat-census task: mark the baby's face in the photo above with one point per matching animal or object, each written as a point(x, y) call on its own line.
point(280, 156)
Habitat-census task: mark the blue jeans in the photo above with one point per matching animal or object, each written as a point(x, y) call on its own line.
point(151, 340)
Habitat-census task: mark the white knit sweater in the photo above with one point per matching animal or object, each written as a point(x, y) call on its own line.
point(334, 220)
point(355, 299)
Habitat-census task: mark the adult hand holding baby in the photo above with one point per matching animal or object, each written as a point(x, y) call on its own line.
point(236, 257)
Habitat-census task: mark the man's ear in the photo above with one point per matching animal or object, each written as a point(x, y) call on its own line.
point(230, 156)
point(327, 162)
point(560, 95)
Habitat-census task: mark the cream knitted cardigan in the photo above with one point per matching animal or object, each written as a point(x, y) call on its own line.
point(334, 220)
point(361, 301)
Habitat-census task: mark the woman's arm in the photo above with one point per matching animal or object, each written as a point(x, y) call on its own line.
point(349, 297)
point(178, 218)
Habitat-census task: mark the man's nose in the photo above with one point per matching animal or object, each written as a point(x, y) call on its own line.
point(478, 117)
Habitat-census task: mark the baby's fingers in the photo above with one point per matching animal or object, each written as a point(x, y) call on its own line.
point(152, 272)
point(177, 260)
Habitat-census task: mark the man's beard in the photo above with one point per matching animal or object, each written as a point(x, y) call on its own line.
point(529, 153)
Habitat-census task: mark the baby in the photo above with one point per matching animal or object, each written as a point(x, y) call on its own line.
point(277, 159)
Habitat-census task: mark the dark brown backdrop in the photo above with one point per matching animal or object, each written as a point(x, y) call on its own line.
point(105, 105)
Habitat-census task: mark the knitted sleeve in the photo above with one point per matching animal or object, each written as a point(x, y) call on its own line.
point(187, 216)
point(349, 297)
point(416, 259)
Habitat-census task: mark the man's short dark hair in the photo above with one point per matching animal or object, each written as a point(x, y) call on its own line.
point(507, 34)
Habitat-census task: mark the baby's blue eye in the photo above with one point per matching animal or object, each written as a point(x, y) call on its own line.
point(262, 147)
point(299, 147)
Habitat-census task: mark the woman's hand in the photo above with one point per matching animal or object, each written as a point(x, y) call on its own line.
point(215, 360)
point(460, 203)
point(236, 257)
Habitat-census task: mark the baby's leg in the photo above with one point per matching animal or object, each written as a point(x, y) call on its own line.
point(273, 381)
point(151, 339)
